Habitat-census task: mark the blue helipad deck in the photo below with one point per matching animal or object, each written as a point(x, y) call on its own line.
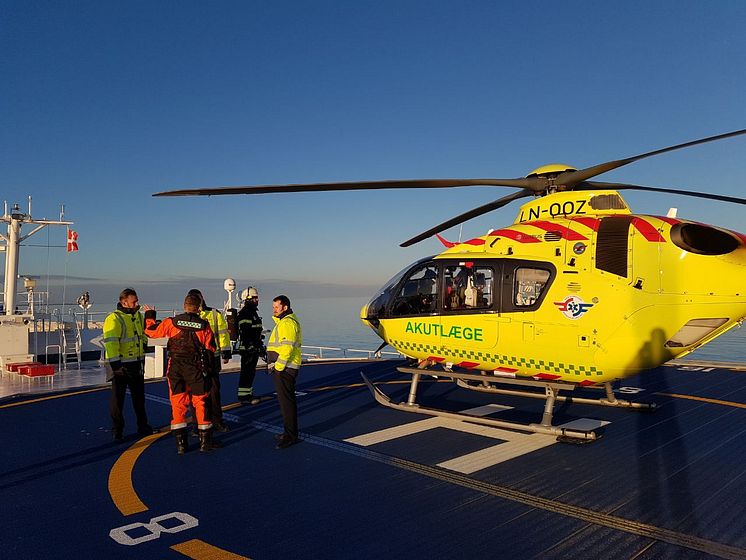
point(368, 481)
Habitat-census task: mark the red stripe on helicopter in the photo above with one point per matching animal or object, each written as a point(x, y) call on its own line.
point(436, 359)
point(468, 365)
point(445, 242)
point(475, 241)
point(669, 221)
point(549, 376)
point(647, 230)
point(449, 244)
point(586, 382)
point(514, 235)
point(588, 222)
point(505, 370)
point(567, 233)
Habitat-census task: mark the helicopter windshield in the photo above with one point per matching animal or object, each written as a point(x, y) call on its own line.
point(378, 303)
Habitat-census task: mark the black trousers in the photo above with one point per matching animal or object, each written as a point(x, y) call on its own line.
point(249, 358)
point(134, 381)
point(285, 386)
point(215, 411)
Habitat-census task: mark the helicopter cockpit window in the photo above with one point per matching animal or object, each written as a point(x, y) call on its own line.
point(377, 305)
point(529, 284)
point(467, 287)
point(417, 295)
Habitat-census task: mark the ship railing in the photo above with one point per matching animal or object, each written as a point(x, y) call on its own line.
point(47, 352)
point(317, 353)
point(95, 319)
point(27, 303)
point(71, 340)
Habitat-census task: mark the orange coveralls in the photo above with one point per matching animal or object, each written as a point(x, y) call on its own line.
point(187, 335)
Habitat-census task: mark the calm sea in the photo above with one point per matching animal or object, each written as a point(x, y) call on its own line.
point(335, 322)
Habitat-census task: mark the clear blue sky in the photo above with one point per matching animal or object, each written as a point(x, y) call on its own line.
point(104, 103)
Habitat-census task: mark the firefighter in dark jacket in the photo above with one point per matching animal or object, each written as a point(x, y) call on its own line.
point(250, 345)
point(190, 347)
point(221, 356)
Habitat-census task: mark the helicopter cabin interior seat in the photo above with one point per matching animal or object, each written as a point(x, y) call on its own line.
point(425, 302)
point(452, 299)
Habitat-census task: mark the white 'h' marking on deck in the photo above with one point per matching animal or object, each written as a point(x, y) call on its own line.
point(513, 443)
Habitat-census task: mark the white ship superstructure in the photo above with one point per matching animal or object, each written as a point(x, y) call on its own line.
point(31, 330)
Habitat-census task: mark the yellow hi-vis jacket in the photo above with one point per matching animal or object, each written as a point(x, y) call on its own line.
point(283, 348)
point(124, 339)
point(220, 330)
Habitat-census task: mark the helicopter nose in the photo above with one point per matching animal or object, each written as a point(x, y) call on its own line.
point(369, 321)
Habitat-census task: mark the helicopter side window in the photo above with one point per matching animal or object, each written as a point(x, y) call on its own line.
point(529, 285)
point(417, 295)
point(467, 287)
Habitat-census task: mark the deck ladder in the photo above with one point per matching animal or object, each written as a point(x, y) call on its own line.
point(70, 339)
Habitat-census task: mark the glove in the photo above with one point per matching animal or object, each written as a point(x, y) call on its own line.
point(116, 367)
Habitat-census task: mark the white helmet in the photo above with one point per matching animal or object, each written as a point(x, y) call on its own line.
point(249, 292)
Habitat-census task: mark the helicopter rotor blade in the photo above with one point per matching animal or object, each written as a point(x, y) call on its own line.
point(593, 185)
point(533, 183)
point(494, 205)
point(572, 178)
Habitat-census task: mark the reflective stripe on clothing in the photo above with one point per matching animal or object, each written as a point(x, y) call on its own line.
point(219, 328)
point(285, 341)
point(124, 338)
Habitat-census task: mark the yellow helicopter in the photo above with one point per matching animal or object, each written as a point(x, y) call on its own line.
point(577, 291)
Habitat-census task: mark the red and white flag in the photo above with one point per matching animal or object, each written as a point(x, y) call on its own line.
point(72, 241)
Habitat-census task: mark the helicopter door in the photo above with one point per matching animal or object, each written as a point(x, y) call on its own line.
point(469, 322)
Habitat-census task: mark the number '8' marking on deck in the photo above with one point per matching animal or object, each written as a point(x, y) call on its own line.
point(154, 528)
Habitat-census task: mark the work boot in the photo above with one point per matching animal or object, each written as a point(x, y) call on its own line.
point(205, 441)
point(286, 441)
point(182, 441)
point(220, 427)
point(146, 430)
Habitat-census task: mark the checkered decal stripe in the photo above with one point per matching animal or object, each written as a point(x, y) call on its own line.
point(459, 355)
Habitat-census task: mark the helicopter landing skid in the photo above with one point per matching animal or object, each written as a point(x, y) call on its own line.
point(551, 391)
point(487, 386)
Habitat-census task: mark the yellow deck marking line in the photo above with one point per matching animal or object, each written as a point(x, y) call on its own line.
point(200, 550)
point(120, 477)
point(9, 405)
point(82, 392)
point(703, 399)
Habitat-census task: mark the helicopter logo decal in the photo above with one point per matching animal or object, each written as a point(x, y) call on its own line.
point(573, 307)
